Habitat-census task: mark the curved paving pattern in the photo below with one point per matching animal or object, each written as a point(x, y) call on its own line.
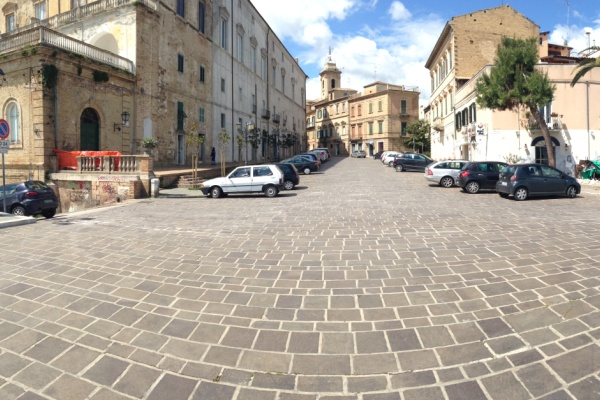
point(364, 284)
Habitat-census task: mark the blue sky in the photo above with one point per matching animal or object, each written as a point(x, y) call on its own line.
point(390, 40)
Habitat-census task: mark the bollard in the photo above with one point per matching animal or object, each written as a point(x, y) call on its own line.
point(154, 186)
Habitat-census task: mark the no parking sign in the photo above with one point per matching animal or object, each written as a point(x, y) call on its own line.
point(4, 129)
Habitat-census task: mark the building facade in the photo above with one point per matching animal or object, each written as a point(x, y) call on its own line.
point(103, 75)
point(462, 130)
point(345, 120)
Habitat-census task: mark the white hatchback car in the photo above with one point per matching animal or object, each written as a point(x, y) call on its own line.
point(444, 173)
point(388, 159)
point(266, 178)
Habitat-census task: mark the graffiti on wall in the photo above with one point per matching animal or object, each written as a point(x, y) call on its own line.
point(77, 196)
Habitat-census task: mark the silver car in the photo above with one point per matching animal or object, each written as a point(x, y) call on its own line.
point(444, 173)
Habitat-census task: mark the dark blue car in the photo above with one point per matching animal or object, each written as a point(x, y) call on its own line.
point(29, 198)
point(525, 180)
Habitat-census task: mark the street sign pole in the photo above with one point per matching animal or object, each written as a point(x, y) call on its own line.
point(3, 186)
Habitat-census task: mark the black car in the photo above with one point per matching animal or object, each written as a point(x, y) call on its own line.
point(290, 175)
point(302, 164)
point(477, 175)
point(311, 156)
point(29, 198)
point(411, 162)
point(524, 180)
point(377, 156)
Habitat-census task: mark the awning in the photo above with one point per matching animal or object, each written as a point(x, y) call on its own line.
point(539, 141)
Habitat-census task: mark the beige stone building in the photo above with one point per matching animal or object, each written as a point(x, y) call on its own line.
point(467, 43)
point(463, 130)
point(345, 120)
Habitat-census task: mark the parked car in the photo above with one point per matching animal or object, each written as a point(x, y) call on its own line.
point(388, 158)
point(411, 162)
point(359, 154)
point(477, 175)
point(524, 180)
point(29, 198)
point(291, 178)
point(320, 153)
point(444, 173)
point(311, 156)
point(326, 150)
point(377, 156)
point(303, 164)
point(266, 178)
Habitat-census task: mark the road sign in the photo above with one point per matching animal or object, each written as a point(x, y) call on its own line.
point(4, 129)
point(4, 146)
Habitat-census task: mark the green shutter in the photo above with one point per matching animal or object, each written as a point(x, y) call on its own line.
point(201, 115)
point(180, 115)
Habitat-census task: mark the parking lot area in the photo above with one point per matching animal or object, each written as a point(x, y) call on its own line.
point(363, 283)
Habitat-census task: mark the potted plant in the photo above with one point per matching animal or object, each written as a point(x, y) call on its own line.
point(148, 144)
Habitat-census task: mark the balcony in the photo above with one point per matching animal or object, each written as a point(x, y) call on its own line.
point(265, 114)
point(41, 35)
point(356, 137)
point(253, 108)
point(438, 124)
point(77, 13)
point(276, 118)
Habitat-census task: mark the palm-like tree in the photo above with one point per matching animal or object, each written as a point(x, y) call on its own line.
point(587, 64)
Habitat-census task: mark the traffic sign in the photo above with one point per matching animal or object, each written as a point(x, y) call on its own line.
point(4, 146)
point(4, 129)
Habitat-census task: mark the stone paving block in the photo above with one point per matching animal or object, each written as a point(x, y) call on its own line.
point(463, 354)
point(304, 342)
point(30, 396)
point(253, 394)
point(412, 379)
point(68, 387)
point(381, 396)
point(559, 395)
point(222, 356)
point(525, 357)
point(37, 376)
point(10, 391)
point(466, 332)
point(505, 344)
point(576, 364)
point(271, 340)
point(531, 320)
point(184, 349)
point(466, 390)
point(10, 364)
point(537, 379)
point(430, 393)
point(179, 328)
point(320, 384)
point(403, 339)
point(587, 388)
point(505, 385)
point(47, 349)
point(337, 343)
point(365, 384)
point(371, 342)
point(236, 377)
point(137, 380)
point(263, 361)
point(368, 364)
point(274, 381)
point(435, 336)
point(321, 364)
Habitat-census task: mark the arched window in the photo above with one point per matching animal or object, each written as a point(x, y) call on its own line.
point(12, 114)
point(333, 83)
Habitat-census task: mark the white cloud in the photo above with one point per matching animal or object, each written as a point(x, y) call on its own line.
point(398, 12)
point(576, 37)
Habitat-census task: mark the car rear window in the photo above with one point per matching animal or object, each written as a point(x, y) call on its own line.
point(36, 185)
point(442, 165)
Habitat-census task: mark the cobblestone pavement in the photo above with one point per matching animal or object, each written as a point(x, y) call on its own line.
point(362, 284)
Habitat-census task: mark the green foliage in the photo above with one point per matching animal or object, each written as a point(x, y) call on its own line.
point(149, 143)
point(49, 73)
point(419, 136)
point(29, 49)
point(223, 138)
point(587, 64)
point(194, 137)
point(254, 138)
point(100, 76)
point(513, 81)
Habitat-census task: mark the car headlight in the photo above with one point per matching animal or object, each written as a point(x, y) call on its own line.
point(201, 185)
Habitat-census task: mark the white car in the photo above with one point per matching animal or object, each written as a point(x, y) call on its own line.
point(266, 178)
point(444, 173)
point(322, 154)
point(326, 150)
point(388, 159)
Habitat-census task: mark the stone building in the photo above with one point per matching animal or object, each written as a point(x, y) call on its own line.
point(345, 120)
point(462, 130)
point(103, 75)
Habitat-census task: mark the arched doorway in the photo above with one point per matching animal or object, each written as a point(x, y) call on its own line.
point(541, 152)
point(90, 130)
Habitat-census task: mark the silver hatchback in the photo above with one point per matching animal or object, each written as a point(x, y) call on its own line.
point(444, 173)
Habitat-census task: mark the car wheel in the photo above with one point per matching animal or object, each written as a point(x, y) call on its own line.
point(215, 192)
point(399, 168)
point(503, 195)
point(572, 192)
point(447, 181)
point(306, 171)
point(271, 191)
point(521, 194)
point(288, 185)
point(49, 213)
point(19, 210)
point(391, 164)
point(472, 187)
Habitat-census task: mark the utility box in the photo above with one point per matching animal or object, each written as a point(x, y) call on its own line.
point(154, 186)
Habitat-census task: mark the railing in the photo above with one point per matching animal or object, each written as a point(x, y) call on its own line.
point(110, 164)
point(80, 12)
point(265, 114)
point(41, 35)
point(438, 124)
point(276, 118)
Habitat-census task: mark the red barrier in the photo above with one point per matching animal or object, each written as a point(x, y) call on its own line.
point(68, 159)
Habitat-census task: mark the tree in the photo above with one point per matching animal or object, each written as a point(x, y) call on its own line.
point(587, 64)
point(419, 136)
point(222, 139)
point(194, 138)
point(514, 83)
point(254, 140)
point(241, 141)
